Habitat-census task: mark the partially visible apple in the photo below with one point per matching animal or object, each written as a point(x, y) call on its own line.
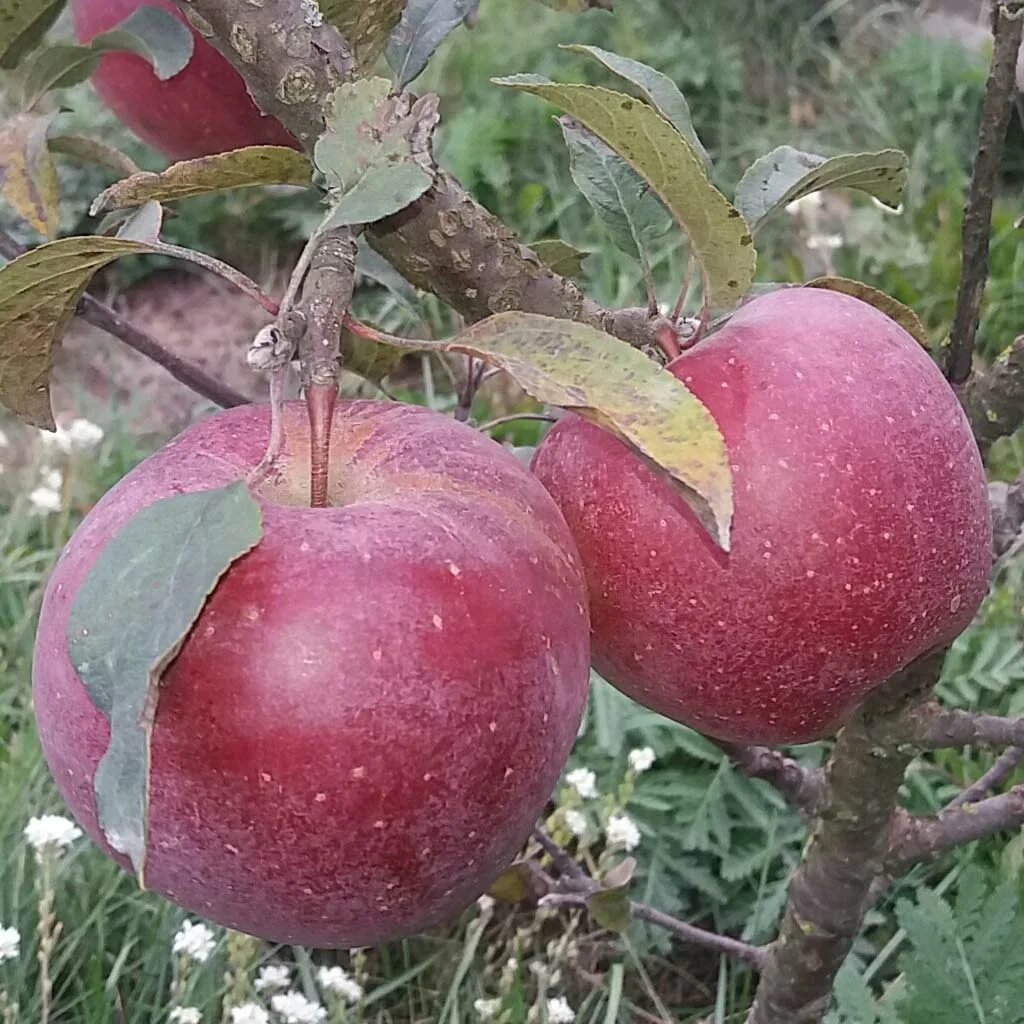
point(375, 702)
point(204, 109)
point(861, 536)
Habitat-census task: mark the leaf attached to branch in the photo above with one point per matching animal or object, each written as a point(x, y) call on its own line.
point(659, 89)
point(129, 619)
point(424, 25)
point(375, 157)
point(559, 256)
point(23, 23)
point(630, 211)
point(29, 179)
point(239, 168)
point(612, 384)
point(719, 236)
point(786, 174)
point(364, 24)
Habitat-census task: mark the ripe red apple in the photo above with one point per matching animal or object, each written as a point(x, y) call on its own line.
point(860, 538)
point(204, 109)
point(376, 701)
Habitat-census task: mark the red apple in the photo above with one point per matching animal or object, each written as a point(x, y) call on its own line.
point(374, 704)
point(204, 109)
point(860, 538)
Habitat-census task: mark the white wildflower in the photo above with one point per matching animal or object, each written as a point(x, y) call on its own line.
point(641, 759)
point(52, 478)
point(824, 242)
point(576, 822)
point(195, 941)
point(249, 1013)
point(337, 981)
point(272, 977)
point(295, 1008)
point(805, 204)
point(311, 12)
point(50, 833)
point(45, 499)
point(560, 1012)
point(487, 1009)
point(622, 831)
point(486, 904)
point(584, 781)
point(185, 1015)
point(4, 440)
point(9, 944)
point(79, 436)
point(511, 964)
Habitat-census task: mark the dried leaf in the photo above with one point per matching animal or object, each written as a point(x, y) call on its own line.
point(719, 236)
point(631, 213)
point(365, 25)
point(23, 23)
point(375, 157)
point(130, 617)
point(29, 179)
point(786, 174)
point(619, 875)
point(892, 308)
point(559, 256)
point(424, 25)
point(240, 168)
point(659, 89)
point(612, 384)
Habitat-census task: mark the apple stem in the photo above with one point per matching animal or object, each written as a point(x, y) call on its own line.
point(320, 399)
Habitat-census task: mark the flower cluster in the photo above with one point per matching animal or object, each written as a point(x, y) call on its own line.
point(50, 834)
point(338, 982)
point(78, 436)
point(10, 944)
point(249, 1013)
point(294, 1008)
point(194, 941)
point(584, 781)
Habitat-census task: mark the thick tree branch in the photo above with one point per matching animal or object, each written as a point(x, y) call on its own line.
point(102, 316)
point(994, 399)
point(445, 242)
point(920, 839)
point(829, 894)
point(932, 727)
point(806, 790)
point(996, 110)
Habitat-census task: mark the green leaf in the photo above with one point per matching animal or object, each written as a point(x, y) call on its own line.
point(368, 359)
point(152, 33)
point(365, 25)
point(631, 213)
point(892, 308)
point(372, 266)
point(559, 256)
point(374, 158)
point(621, 874)
point(28, 179)
point(94, 151)
point(239, 168)
point(424, 25)
point(719, 236)
point(155, 35)
point(130, 617)
point(786, 174)
point(612, 384)
point(610, 908)
point(23, 23)
point(659, 89)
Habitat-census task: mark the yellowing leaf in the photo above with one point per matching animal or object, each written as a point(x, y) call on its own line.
point(29, 178)
point(892, 308)
point(512, 885)
point(719, 235)
point(239, 168)
point(38, 294)
point(612, 384)
point(365, 25)
point(130, 617)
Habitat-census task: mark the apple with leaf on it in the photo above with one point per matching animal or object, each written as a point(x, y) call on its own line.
point(205, 108)
point(375, 701)
point(861, 534)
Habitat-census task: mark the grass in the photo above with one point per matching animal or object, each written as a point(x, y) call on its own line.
point(716, 848)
